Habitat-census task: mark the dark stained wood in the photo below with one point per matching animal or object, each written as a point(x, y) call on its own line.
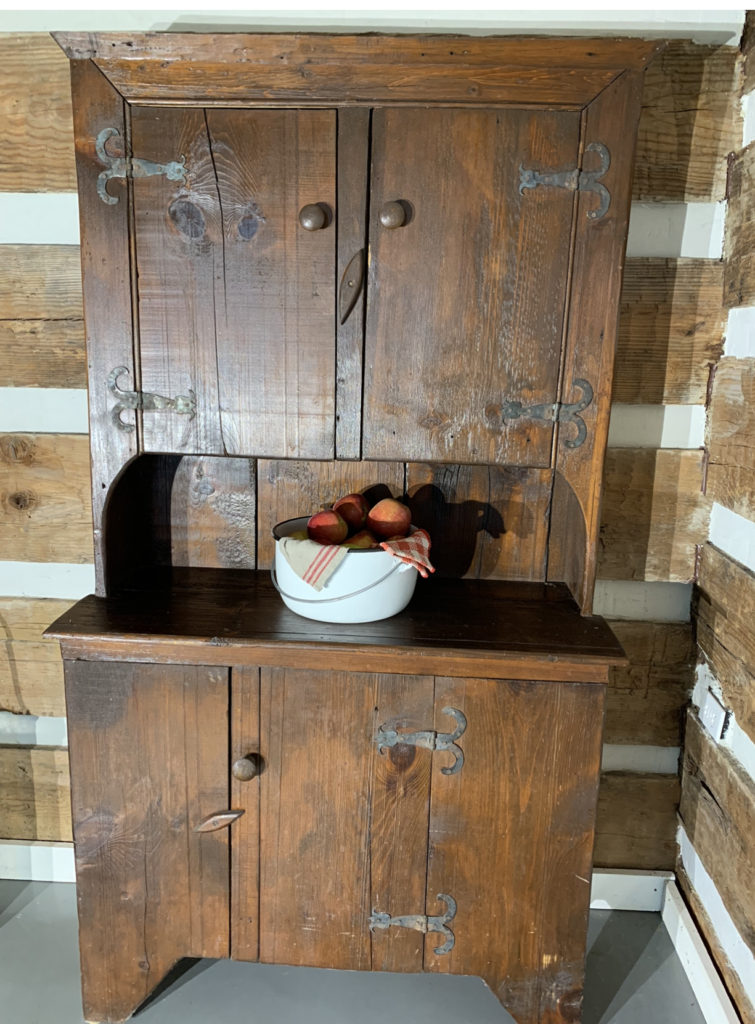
point(593, 314)
point(314, 807)
point(454, 620)
point(465, 302)
point(359, 69)
point(399, 818)
point(105, 259)
point(353, 171)
point(486, 522)
point(529, 822)
point(148, 748)
point(289, 489)
point(245, 834)
point(718, 813)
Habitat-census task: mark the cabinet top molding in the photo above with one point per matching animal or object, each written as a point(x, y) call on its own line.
point(357, 69)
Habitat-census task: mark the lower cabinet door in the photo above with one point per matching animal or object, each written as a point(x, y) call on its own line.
point(343, 826)
point(149, 767)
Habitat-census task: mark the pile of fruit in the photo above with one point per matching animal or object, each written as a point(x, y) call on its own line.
point(353, 524)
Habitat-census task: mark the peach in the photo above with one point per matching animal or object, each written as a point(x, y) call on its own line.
point(360, 541)
point(353, 508)
point(327, 527)
point(389, 518)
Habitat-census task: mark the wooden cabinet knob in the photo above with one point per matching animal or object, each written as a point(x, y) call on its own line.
point(314, 216)
point(246, 768)
point(393, 215)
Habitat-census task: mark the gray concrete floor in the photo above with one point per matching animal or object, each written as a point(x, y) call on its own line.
point(633, 977)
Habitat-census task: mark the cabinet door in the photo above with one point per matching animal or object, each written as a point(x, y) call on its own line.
point(343, 827)
point(511, 838)
point(467, 297)
point(236, 305)
point(149, 763)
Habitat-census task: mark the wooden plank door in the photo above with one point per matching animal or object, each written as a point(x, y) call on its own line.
point(343, 827)
point(149, 763)
point(236, 298)
point(511, 839)
point(466, 299)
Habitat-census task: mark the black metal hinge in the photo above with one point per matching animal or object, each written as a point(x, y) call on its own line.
point(429, 739)
point(123, 167)
point(184, 405)
point(558, 412)
point(421, 923)
point(575, 180)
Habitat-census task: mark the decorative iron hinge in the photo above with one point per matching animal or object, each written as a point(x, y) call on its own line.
point(556, 412)
point(125, 167)
point(421, 923)
point(575, 180)
point(184, 405)
point(430, 739)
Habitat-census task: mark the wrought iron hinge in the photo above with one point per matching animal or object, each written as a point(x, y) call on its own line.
point(184, 405)
point(421, 923)
point(556, 412)
point(575, 180)
point(123, 167)
point(429, 739)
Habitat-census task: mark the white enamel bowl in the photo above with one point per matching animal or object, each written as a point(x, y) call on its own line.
point(367, 586)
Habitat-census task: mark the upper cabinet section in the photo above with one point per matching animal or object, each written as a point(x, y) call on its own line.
point(467, 287)
point(236, 274)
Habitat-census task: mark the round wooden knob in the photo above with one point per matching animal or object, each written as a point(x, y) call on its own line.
point(246, 768)
point(313, 216)
point(393, 215)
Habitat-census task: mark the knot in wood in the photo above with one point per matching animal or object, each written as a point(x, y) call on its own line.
point(17, 449)
point(23, 501)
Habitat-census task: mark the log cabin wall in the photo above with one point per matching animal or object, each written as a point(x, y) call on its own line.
point(655, 517)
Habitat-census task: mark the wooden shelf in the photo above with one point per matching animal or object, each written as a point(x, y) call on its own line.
point(196, 615)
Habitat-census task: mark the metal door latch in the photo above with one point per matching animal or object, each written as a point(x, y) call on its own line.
point(558, 412)
point(575, 180)
point(124, 167)
point(185, 405)
point(429, 739)
point(421, 923)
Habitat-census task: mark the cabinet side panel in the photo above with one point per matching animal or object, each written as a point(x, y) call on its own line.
point(276, 311)
point(399, 819)
point(511, 838)
point(317, 729)
point(611, 120)
point(245, 835)
point(148, 749)
point(466, 298)
point(106, 279)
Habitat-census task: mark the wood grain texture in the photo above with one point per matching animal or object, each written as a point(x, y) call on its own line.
point(44, 488)
point(645, 699)
point(40, 282)
point(533, 827)
point(725, 612)
point(690, 122)
point(739, 240)
point(472, 244)
point(43, 353)
point(36, 801)
point(591, 328)
point(35, 123)
point(317, 731)
point(106, 275)
point(747, 47)
point(654, 514)
point(731, 436)
point(636, 822)
point(486, 522)
point(287, 490)
point(718, 813)
point(149, 761)
point(671, 331)
point(245, 834)
point(738, 988)
point(31, 670)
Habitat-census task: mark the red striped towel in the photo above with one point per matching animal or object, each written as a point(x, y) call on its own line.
point(414, 550)
point(314, 563)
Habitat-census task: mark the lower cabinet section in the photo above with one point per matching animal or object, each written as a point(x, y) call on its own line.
point(333, 819)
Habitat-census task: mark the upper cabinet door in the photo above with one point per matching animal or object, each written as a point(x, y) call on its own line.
point(235, 253)
point(467, 285)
